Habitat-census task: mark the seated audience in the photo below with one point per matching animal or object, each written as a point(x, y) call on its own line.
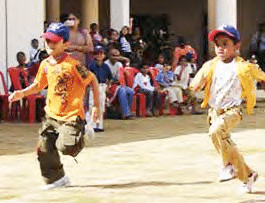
point(124, 41)
point(182, 49)
point(124, 93)
point(113, 39)
point(182, 79)
point(34, 52)
point(33, 69)
point(21, 59)
point(165, 79)
point(95, 35)
point(143, 84)
point(160, 62)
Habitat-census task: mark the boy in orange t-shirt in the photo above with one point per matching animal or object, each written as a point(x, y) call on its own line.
point(64, 125)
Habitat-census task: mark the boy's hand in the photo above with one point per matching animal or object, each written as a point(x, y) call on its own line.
point(15, 96)
point(95, 114)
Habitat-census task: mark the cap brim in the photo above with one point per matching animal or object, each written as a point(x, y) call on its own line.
point(99, 51)
point(215, 32)
point(51, 36)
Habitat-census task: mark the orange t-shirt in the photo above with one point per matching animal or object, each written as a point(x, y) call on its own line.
point(66, 88)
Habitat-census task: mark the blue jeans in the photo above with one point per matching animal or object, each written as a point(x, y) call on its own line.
point(125, 96)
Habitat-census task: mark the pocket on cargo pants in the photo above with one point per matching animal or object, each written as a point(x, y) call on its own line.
point(71, 137)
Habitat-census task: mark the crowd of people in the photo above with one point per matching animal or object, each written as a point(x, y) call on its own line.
point(108, 54)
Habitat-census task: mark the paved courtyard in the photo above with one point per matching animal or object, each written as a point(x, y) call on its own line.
point(169, 159)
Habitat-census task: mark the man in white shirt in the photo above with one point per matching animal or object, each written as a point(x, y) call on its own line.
point(125, 93)
point(34, 51)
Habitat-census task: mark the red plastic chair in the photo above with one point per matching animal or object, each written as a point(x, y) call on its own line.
point(4, 104)
point(139, 102)
point(154, 72)
point(30, 102)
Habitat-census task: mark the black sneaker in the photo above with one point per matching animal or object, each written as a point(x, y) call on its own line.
point(98, 130)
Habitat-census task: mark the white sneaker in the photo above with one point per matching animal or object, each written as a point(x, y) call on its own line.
point(247, 187)
point(64, 181)
point(227, 173)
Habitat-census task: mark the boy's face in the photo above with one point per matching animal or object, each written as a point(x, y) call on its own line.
point(125, 31)
point(22, 59)
point(114, 36)
point(145, 69)
point(225, 48)
point(183, 61)
point(54, 48)
point(99, 56)
point(161, 59)
point(35, 44)
point(114, 55)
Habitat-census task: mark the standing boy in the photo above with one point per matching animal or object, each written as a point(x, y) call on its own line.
point(63, 127)
point(104, 76)
point(227, 79)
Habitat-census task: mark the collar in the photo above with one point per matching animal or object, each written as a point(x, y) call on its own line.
point(58, 59)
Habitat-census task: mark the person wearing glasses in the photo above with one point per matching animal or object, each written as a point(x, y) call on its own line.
point(80, 44)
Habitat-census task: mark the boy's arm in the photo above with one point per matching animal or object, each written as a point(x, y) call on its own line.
point(200, 79)
point(19, 94)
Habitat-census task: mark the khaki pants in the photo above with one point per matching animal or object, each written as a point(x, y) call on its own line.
point(54, 135)
point(221, 122)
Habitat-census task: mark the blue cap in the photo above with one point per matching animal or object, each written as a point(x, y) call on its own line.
point(98, 49)
point(229, 30)
point(56, 32)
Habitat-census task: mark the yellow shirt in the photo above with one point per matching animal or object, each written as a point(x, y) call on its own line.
point(67, 84)
point(247, 72)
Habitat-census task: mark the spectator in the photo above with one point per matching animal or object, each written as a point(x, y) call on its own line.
point(80, 42)
point(183, 49)
point(114, 39)
point(35, 67)
point(124, 93)
point(21, 59)
point(34, 52)
point(95, 35)
point(143, 84)
point(161, 62)
point(104, 76)
point(165, 79)
point(137, 45)
point(125, 44)
point(257, 46)
point(182, 79)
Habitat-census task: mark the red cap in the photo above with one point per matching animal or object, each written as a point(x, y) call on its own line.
point(225, 29)
point(51, 36)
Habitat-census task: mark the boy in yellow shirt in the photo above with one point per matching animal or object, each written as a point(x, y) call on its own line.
point(64, 125)
point(226, 80)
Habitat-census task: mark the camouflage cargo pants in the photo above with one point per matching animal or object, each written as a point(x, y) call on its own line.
point(54, 135)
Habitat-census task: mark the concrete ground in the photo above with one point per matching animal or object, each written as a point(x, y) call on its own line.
point(168, 159)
